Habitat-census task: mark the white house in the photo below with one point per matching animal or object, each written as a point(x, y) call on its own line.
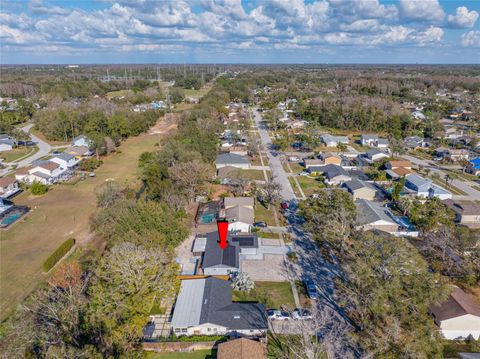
point(240, 218)
point(333, 141)
point(375, 155)
point(8, 187)
point(422, 187)
point(81, 141)
point(458, 317)
point(368, 140)
point(6, 143)
point(233, 160)
point(205, 307)
point(46, 172)
point(65, 160)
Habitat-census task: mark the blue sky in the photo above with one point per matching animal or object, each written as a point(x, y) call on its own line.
point(235, 31)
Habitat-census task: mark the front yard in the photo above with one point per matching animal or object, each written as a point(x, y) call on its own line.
point(272, 294)
point(256, 175)
point(199, 354)
point(309, 185)
point(264, 215)
point(18, 153)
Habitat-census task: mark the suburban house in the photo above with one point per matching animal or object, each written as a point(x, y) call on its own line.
point(360, 189)
point(458, 317)
point(456, 155)
point(228, 175)
point(474, 166)
point(375, 155)
point(398, 169)
point(229, 202)
point(45, 172)
point(81, 141)
point(79, 151)
point(422, 187)
point(205, 307)
point(313, 162)
point(8, 187)
point(238, 150)
point(232, 160)
point(330, 158)
point(414, 142)
point(227, 261)
point(6, 143)
point(418, 115)
point(333, 141)
point(368, 140)
point(335, 175)
point(65, 160)
point(465, 212)
point(382, 143)
point(371, 215)
point(242, 348)
point(240, 218)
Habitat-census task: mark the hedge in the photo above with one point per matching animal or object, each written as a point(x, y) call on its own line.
point(58, 254)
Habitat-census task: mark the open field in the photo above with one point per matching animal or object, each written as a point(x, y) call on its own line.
point(309, 185)
point(18, 153)
point(112, 94)
point(197, 93)
point(256, 175)
point(62, 213)
point(199, 354)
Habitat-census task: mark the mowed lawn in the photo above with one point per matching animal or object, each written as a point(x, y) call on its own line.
point(198, 354)
point(60, 214)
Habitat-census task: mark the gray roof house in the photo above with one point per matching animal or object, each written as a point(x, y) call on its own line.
point(335, 174)
point(425, 188)
point(368, 140)
point(232, 160)
point(205, 307)
point(360, 189)
point(332, 141)
point(375, 155)
point(224, 262)
point(371, 215)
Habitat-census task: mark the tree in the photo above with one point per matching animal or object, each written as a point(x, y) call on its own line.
point(108, 194)
point(268, 193)
point(37, 188)
point(190, 177)
point(398, 188)
point(242, 282)
point(342, 147)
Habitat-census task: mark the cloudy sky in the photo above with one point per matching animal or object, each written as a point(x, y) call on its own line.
point(236, 31)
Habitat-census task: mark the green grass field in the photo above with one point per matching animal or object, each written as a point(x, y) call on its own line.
point(256, 175)
point(294, 186)
point(18, 153)
point(272, 294)
point(62, 213)
point(264, 215)
point(112, 94)
point(309, 185)
point(199, 354)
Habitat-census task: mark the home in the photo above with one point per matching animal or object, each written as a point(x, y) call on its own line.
point(240, 218)
point(229, 175)
point(233, 160)
point(371, 215)
point(458, 317)
point(229, 202)
point(368, 140)
point(65, 160)
point(81, 141)
point(313, 162)
point(422, 187)
point(45, 172)
point(375, 155)
point(381, 143)
point(465, 212)
point(417, 115)
point(335, 175)
point(398, 172)
point(330, 158)
point(360, 189)
point(6, 143)
point(79, 151)
point(474, 166)
point(242, 348)
point(413, 142)
point(8, 187)
point(333, 141)
point(456, 155)
point(205, 307)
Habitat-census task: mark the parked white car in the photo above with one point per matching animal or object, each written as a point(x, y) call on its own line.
point(275, 314)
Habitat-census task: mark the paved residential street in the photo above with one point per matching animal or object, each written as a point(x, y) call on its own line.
point(43, 148)
point(310, 261)
point(465, 186)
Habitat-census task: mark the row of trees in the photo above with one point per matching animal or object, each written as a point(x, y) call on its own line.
point(97, 308)
point(385, 287)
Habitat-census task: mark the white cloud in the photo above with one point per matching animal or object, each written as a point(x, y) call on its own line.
point(38, 7)
point(463, 18)
point(421, 10)
point(471, 38)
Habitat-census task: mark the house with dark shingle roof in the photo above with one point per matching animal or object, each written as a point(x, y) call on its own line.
point(371, 215)
point(205, 307)
point(335, 174)
point(458, 316)
point(466, 212)
point(232, 160)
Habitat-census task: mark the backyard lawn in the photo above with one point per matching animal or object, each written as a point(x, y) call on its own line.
point(60, 214)
point(272, 294)
point(199, 354)
point(264, 215)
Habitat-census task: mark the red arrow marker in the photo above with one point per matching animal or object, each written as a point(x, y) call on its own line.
point(222, 226)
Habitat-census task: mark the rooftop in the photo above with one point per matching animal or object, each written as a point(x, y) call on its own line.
point(370, 212)
point(227, 158)
point(241, 349)
point(458, 304)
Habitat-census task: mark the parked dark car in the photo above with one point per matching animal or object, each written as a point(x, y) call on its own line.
point(26, 143)
point(260, 224)
point(311, 289)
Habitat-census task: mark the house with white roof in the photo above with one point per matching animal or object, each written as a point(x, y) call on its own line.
point(81, 141)
point(333, 141)
point(65, 160)
point(45, 172)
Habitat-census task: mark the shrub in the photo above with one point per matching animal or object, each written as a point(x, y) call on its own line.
point(292, 256)
point(89, 164)
point(58, 254)
point(38, 188)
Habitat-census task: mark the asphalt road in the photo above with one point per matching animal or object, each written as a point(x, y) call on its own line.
point(43, 148)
